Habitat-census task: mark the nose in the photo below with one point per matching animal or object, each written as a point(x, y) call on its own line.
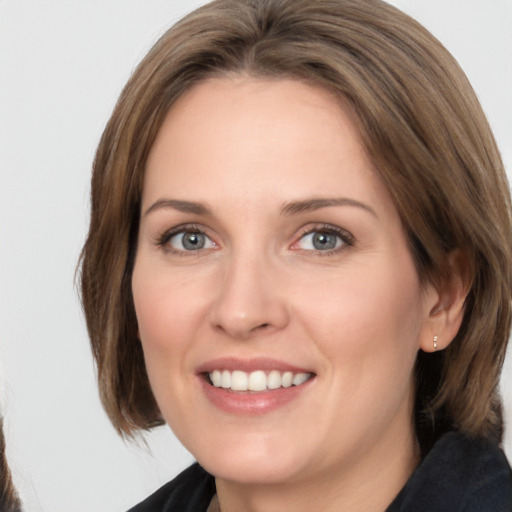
point(250, 300)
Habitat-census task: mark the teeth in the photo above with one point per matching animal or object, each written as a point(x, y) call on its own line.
point(216, 378)
point(300, 378)
point(256, 381)
point(239, 381)
point(225, 380)
point(274, 380)
point(287, 379)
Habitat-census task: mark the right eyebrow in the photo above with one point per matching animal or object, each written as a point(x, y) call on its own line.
point(179, 205)
point(313, 204)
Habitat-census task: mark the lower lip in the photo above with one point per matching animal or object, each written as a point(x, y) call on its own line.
point(251, 403)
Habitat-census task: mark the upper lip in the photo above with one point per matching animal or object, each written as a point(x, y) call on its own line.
point(249, 365)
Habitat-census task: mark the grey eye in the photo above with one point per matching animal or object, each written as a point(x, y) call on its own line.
point(190, 241)
point(320, 241)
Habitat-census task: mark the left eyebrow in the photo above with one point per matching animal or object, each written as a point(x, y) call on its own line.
point(179, 205)
point(309, 205)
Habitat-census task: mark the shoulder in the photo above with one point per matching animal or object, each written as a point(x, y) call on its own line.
point(190, 491)
point(460, 474)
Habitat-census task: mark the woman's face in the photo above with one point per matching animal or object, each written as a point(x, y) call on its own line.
point(278, 304)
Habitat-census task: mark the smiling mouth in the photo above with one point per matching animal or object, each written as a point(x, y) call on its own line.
point(258, 380)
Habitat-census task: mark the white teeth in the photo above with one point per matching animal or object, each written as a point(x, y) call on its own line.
point(287, 379)
point(239, 381)
point(257, 380)
point(300, 378)
point(225, 379)
point(274, 380)
point(216, 377)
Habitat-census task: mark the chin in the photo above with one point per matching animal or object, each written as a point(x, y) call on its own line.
point(246, 470)
point(253, 462)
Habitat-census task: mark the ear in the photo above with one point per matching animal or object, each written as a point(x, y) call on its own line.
point(445, 305)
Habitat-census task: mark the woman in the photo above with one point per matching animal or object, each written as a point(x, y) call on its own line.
point(299, 258)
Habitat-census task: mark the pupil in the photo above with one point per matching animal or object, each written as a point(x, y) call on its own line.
point(324, 241)
point(192, 241)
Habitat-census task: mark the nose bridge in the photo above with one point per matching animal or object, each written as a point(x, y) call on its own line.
point(249, 297)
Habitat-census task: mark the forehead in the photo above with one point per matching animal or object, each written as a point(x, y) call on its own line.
point(235, 110)
point(259, 139)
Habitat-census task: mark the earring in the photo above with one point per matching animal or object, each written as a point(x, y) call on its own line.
point(435, 342)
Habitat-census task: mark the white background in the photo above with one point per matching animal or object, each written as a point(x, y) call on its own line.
point(62, 65)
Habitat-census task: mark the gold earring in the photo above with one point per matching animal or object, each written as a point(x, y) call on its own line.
point(435, 342)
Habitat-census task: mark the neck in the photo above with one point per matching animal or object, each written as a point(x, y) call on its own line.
point(367, 485)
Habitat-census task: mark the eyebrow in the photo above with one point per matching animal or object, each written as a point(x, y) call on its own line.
point(290, 208)
point(310, 205)
point(179, 205)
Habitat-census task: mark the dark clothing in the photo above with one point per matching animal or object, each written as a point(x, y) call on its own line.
point(191, 491)
point(458, 475)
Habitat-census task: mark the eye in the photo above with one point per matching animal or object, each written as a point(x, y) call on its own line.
point(187, 240)
point(324, 240)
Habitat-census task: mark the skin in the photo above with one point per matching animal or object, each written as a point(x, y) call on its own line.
point(354, 316)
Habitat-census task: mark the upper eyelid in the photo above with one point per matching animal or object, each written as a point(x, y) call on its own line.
point(343, 233)
point(163, 241)
point(167, 234)
point(337, 230)
point(192, 226)
point(347, 238)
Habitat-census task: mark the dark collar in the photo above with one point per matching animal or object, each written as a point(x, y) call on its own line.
point(459, 474)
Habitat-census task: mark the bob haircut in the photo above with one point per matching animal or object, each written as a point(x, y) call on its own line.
point(422, 127)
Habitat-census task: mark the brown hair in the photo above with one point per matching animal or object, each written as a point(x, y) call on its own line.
point(424, 130)
point(9, 501)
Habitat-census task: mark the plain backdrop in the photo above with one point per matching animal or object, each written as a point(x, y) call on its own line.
point(62, 66)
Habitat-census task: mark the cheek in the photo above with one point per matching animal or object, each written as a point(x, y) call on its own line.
point(163, 326)
point(165, 312)
point(151, 308)
point(166, 306)
point(367, 322)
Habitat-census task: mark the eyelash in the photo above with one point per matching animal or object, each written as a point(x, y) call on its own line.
point(345, 236)
point(163, 240)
